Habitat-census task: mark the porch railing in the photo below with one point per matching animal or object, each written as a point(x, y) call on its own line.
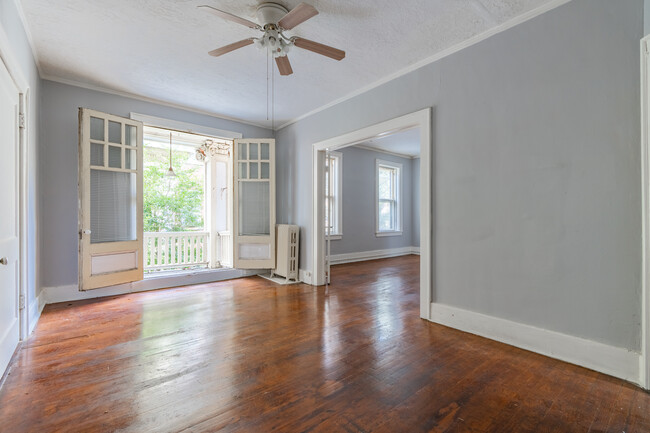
point(224, 249)
point(175, 250)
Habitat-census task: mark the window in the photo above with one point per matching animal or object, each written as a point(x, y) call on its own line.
point(389, 206)
point(333, 194)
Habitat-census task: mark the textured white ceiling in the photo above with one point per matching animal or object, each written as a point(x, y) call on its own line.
point(405, 143)
point(158, 48)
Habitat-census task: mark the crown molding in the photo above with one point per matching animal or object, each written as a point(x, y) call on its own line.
point(440, 55)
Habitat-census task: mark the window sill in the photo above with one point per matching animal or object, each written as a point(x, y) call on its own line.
point(334, 237)
point(385, 234)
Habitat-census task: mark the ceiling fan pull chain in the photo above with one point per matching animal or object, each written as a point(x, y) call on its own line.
point(272, 96)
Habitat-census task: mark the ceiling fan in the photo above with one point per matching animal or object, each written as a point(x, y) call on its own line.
point(276, 19)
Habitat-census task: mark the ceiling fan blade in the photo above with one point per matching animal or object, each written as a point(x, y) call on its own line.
point(322, 49)
point(299, 14)
point(230, 17)
point(232, 47)
point(284, 66)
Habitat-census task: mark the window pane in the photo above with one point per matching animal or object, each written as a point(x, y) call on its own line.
point(386, 216)
point(243, 170)
point(130, 159)
point(264, 151)
point(254, 209)
point(242, 151)
point(97, 129)
point(265, 170)
point(327, 182)
point(114, 157)
point(385, 183)
point(253, 167)
point(115, 132)
point(112, 206)
point(253, 151)
point(327, 212)
point(130, 135)
point(97, 154)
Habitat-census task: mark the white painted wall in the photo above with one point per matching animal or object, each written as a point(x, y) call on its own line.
point(11, 26)
point(358, 199)
point(58, 166)
point(536, 170)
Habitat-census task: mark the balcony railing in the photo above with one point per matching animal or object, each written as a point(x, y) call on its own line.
point(224, 249)
point(175, 250)
point(178, 250)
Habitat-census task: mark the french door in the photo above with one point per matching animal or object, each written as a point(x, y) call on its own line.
point(254, 204)
point(110, 200)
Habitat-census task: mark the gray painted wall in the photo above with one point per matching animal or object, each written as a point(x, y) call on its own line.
point(59, 161)
point(646, 17)
point(358, 211)
point(11, 25)
point(537, 200)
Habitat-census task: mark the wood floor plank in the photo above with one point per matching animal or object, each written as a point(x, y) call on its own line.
point(249, 355)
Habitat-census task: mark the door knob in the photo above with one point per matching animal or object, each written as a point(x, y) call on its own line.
point(4, 261)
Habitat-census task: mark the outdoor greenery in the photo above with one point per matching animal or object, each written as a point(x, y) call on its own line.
point(172, 204)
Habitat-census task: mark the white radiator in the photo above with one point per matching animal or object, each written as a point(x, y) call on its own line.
point(287, 241)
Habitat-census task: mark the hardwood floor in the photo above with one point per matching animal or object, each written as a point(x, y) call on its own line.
point(252, 356)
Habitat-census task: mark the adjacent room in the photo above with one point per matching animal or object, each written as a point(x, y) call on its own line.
point(429, 215)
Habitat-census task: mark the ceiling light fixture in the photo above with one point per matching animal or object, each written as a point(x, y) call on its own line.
point(275, 19)
point(170, 171)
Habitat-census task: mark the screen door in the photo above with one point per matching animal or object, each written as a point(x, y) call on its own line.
point(254, 204)
point(110, 200)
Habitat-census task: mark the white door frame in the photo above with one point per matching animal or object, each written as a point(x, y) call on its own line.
point(13, 66)
point(419, 119)
point(644, 368)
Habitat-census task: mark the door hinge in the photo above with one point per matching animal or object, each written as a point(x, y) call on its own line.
point(21, 121)
point(21, 302)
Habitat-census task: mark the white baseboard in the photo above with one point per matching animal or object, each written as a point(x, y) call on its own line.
point(611, 360)
point(337, 259)
point(72, 293)
point(305, 276)
point(35, 310)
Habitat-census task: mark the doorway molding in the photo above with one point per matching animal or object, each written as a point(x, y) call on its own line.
point(26, 317)
point(420, 119)
point(644, 367)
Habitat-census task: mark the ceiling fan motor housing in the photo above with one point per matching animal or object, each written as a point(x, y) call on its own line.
point(270, 13)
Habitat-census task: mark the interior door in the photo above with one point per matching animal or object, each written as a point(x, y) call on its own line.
point(9, 218)
point(110, 200)
point(254, 204)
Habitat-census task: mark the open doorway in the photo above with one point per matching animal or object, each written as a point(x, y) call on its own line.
point(372, 199)
point(186, 201)
point(387, 221)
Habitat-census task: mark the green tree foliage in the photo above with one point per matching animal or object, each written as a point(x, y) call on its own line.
point(171, 204)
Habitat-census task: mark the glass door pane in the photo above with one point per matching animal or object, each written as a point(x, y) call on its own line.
point(112, 206)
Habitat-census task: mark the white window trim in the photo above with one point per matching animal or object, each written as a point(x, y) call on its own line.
point(398, 167)
point(339, 197)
